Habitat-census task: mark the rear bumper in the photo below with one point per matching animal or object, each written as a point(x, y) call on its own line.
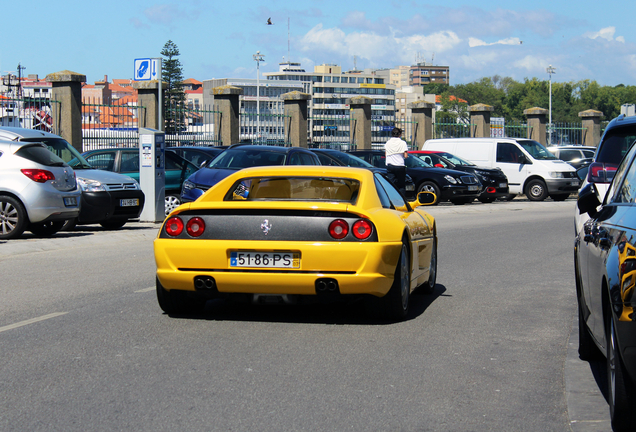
point(103, 206)
point(44, 203)
point(368, 268)
point(458, 191)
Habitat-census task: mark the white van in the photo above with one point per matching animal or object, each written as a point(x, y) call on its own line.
point(529, 166)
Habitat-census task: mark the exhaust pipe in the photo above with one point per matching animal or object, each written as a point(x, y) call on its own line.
point(204, 283)
point(327, 286)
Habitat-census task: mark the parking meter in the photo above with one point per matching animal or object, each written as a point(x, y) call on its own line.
point(152, 174)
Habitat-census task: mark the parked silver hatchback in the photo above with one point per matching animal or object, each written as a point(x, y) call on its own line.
point(38, 190)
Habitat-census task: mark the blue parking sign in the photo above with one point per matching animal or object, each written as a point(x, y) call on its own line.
point(146, 69)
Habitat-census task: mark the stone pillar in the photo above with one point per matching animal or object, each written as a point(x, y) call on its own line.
point(591, 124)
point(537, 120)
point(296, 126)
point(226, 124)
point(480, 120)
point(360, 121)
point(422, 117)
point(148, 97)
point(67, 89)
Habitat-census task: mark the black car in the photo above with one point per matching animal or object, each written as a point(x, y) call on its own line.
point(494, 182)
point(332, 157)
point(448, 185)
point(198, 155)
point(239, 156)
point(605, 274)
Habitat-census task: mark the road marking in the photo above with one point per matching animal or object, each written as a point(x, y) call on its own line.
point(146, 290)
point(31, 321)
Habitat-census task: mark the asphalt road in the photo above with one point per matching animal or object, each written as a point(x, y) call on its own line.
point(85, 347)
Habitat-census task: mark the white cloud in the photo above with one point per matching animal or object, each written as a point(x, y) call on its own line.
point(376, 47)
point(606, 33)
point(474, 42)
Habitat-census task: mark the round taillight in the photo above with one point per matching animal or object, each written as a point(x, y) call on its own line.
point(338, 229)
point(174, 226)
point(195, 226)
point(362, 230)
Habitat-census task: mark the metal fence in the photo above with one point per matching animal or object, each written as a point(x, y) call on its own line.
point(117, 125)
point(111, 125)
point(187, 125)
point(500, 128)
point(451, 130)
point(565, 134)
point(264, 128)
point(330, 131)
point(30, 113)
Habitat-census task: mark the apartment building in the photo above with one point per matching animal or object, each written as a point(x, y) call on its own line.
point(425, 73)
point(330, 88)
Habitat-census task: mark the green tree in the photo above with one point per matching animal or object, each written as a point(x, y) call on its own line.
point(172, 75)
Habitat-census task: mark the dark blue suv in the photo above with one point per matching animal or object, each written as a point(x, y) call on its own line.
point(241, 156)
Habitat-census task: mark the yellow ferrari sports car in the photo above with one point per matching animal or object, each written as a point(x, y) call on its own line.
point(298, 233)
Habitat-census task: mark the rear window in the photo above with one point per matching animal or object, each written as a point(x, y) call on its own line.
point(63, 150)
point(39, 154)
point(294, 189)
point(245, 158)
point(616, 143)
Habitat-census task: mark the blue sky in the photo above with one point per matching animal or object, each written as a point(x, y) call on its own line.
point(582, 40)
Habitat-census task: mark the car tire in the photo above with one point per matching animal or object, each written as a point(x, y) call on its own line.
point(172, 202)
point(429, 186)
point(69, 224)
point(395, 304)
point(560, 197)
point(13, 219)
point(429, 286)
point(113, 224)
point(46, 229)
point(536, 190)
point(620, 387)
point(177, 302)
point(486, 200)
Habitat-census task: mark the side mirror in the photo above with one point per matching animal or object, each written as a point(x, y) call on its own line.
point(588, 200)
point(524, 160)
point(424, 198)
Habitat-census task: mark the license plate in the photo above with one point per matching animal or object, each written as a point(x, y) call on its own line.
point(503, 185)
point(265, 259)
point(410, 187)
point(70, 202)
point(129, 202)
point(473, 188)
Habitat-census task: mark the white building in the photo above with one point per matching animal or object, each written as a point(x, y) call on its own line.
point(328, 109)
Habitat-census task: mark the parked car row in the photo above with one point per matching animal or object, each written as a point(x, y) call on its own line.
point(109, 178)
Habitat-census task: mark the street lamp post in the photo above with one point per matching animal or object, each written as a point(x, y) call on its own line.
point(550, 70)
point(258, 58)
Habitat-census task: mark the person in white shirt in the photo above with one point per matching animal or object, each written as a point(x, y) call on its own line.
point(396, 151)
